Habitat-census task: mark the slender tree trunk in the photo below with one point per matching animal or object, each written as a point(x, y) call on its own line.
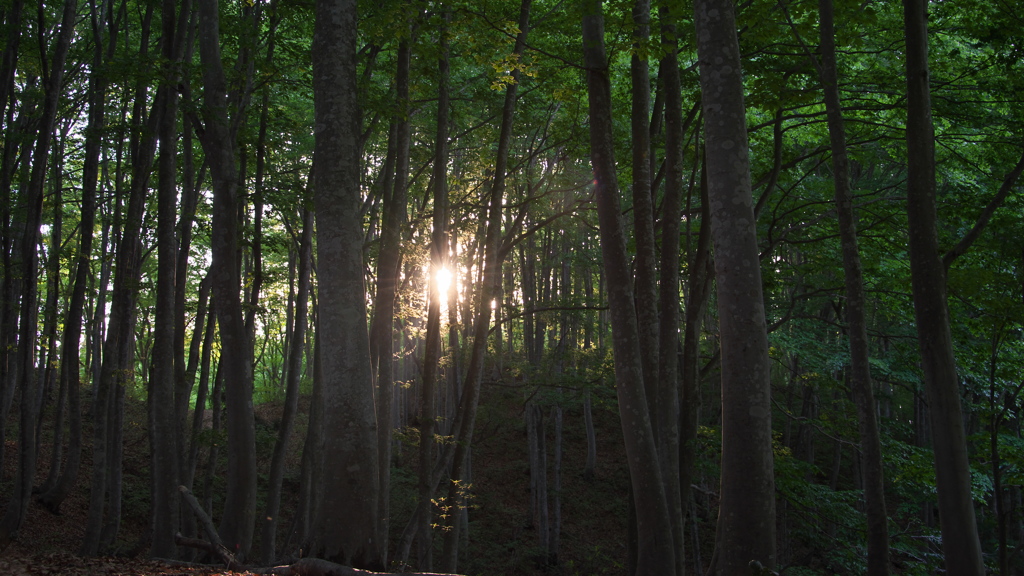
point(961, 545)
point(216, 427)
point(163, 422)
point(237, 524)
point(70, 368)
point(208, 317)
point(27, 448)
point(489, 288)
point(438, 261)
point(667, 384)
point(860, 366)
point(655, 553)
point(555, 536)
point(291, 392)
point(312, 466)
point(697, 295)
point(51, 357)
point(388, 271)
point(746, 521)
point(347, 528)
point(588, 421)
point(645, 264)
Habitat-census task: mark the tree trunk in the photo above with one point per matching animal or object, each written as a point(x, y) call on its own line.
point(51, 358)
point(961, 545)
point(489, 288)
point(70, 368)
point(555, 528)
point(655, 553)
point(237, 524)
point(27, 449)
point(311, 470)
point(666, 385)
point(646, 268)
point(347, 528)
point(860, 366)
point(438, 261)
point(588, 421)
point(291, 392)
point(163, 422)
point(746, 522)
point(206, 317)
point(388, 271)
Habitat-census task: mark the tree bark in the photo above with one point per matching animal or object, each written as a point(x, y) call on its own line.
point(163, 422)
point(490, 287)
point(860, 366)
point(388, 270)
point(746, 521)
point(27, 449)
point(438, 261)
point(961, 545)
point(655, 553)
point(347, 528)
point(237, 523)
point(666, 406)
point(646, 262)
point(291, 392)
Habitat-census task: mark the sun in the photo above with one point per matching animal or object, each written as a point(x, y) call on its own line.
point(443, 277)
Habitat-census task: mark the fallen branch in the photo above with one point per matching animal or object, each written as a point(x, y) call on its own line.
point(229, 560)
point(318, 567)
point(214, 546)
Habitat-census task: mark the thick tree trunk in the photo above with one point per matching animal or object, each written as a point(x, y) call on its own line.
point(746, 521)
point(655, 553)
point(860, 367)
point(961, 545)
point(347, 528)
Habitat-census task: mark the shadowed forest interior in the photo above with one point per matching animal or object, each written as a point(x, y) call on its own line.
point(495, 287)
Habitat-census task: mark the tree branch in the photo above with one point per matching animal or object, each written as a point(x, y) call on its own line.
point(986, 215)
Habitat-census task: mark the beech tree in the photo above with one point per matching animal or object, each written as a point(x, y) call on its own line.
point(746, 517)
point(655, 553)
point(346, 528)
point(961, 546)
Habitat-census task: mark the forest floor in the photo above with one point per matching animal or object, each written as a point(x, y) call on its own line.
point(500, 543)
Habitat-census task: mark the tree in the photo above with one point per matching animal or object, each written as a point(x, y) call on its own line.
point(655, 554)
point(860, 365)
point(961, 545)
point(237, 523)
point(347, 521)
point(746, 517)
